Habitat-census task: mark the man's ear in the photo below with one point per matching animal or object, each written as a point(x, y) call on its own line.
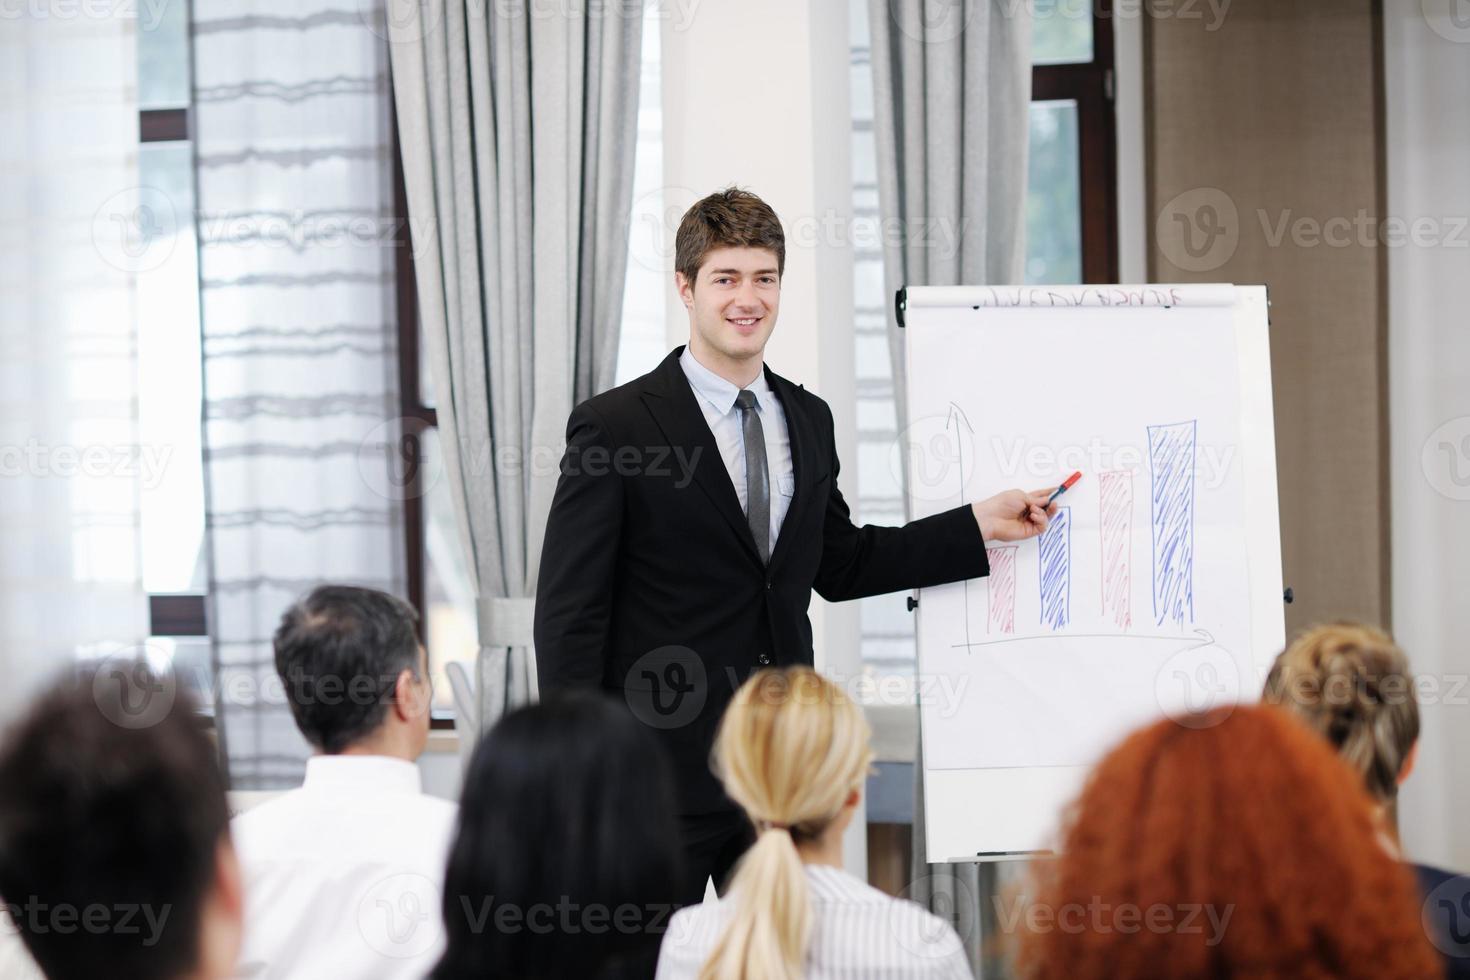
point(409, 698)
point(686, 289)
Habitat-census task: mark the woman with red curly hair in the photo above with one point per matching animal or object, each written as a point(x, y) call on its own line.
point(1234, 844)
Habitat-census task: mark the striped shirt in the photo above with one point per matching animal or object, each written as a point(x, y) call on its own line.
point(858, 933)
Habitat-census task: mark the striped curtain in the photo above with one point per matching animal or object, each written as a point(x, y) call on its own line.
point(296, 279)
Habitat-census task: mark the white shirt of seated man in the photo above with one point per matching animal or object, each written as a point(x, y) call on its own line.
point(343, 877)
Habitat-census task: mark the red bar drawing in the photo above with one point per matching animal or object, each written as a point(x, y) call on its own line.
point(1002, 584)
point(1115, 488)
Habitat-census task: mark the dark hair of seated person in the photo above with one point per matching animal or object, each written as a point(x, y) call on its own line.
point(112, 818)
point(565, 855)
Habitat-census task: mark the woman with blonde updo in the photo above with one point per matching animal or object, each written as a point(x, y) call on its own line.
point(793, 752)
point(1352, 684)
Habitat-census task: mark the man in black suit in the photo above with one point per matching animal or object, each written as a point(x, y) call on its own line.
point(697, 509)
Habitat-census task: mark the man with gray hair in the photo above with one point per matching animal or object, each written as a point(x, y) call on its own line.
point(342, 876)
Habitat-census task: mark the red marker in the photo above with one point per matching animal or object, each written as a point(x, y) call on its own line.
point(1065, 484)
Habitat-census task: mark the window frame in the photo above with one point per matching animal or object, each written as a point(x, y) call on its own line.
point(1090, 85)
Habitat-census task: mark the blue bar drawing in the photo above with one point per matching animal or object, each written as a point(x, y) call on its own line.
point(1055, 551)
point(1171, 451)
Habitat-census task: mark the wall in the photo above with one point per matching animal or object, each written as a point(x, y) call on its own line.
point(1265, 120)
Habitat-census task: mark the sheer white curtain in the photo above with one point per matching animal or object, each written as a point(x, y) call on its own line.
point(302, 482)
point(74, 228)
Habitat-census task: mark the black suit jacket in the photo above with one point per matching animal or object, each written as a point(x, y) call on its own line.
point(651, 586)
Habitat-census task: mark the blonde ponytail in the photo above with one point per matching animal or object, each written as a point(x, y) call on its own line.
point(792, 748)
point(1352, 684)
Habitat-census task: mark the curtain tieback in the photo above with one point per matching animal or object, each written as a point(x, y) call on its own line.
point(506, 622)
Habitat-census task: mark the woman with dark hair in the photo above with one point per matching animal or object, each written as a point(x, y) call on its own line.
point(1231, 845)
point(565, 851)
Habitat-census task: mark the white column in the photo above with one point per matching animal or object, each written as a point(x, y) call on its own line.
point(1427, 72)
point(756, 94)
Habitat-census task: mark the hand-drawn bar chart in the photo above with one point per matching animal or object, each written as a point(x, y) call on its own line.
point(1171, 452)
point(1115, 528)
point(1055, 552)
point(1002, 585)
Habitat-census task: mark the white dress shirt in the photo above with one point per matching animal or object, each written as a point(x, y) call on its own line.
point(858, 933)
point(716, 399)
point(343, 876)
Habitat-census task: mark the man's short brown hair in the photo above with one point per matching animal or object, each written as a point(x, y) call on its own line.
point(731, 218)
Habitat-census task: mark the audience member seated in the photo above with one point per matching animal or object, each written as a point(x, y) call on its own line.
point(793, 751)
point(115, 856)
point(1352, 684)
point(1233, 844)
point(566, 850)
point(342, 876)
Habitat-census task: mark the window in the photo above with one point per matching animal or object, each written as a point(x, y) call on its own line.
point(1070, 237)
point(169, 402)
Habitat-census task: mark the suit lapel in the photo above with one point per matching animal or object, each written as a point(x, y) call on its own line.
point(672, 404)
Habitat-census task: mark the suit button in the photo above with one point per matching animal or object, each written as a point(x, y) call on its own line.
point(765, 658)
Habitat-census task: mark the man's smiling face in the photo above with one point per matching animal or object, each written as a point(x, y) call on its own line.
point(732, 302)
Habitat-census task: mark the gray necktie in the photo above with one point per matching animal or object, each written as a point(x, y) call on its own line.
point(757, 479)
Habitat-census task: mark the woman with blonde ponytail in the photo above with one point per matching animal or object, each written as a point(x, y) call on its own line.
point(793, 751)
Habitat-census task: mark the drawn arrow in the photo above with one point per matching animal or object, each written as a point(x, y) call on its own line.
point(955, 418)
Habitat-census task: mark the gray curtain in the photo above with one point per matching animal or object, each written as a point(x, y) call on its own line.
point(298, 328)
point(518, 131)
point(952, 93)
